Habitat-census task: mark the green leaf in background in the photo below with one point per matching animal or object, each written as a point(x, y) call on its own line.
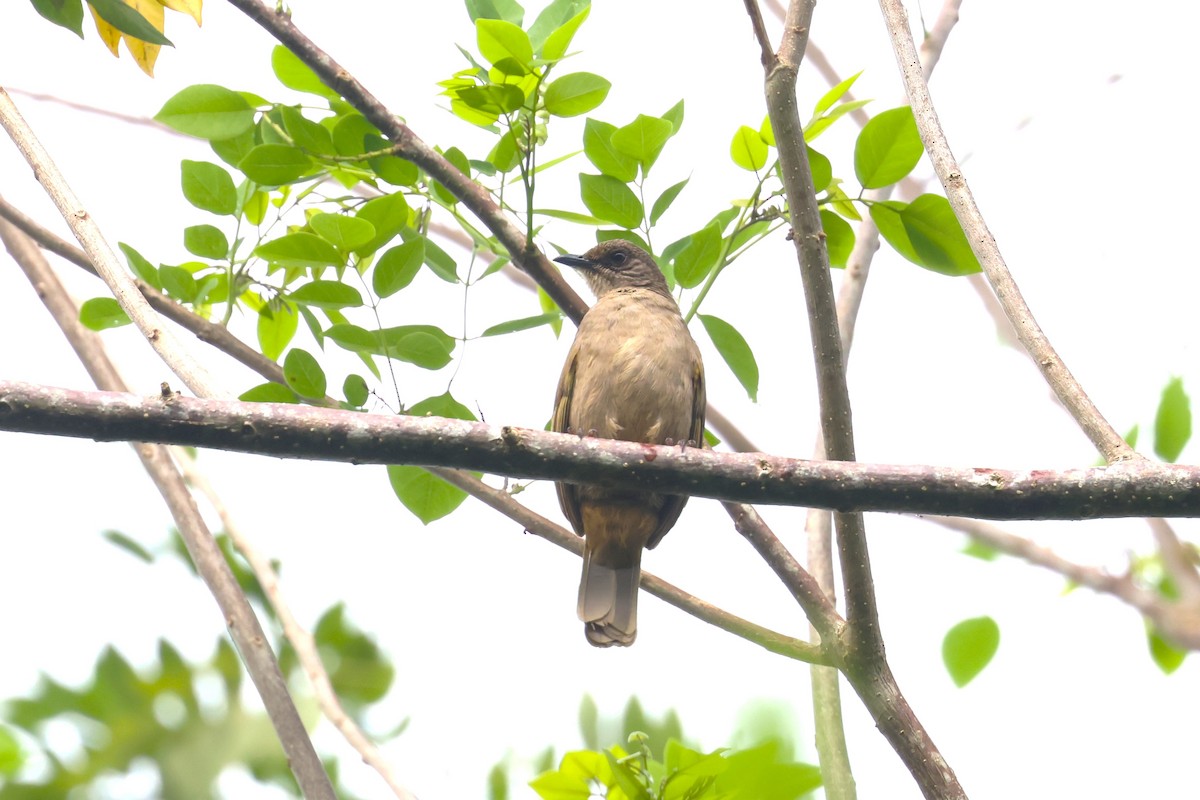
point(277, 324)
point(68, 14)
point(674, 115)
point(389, 215)
point(397, 267)
point(269, 393)
point(493, 99)
point(140, 266)
point(101, 313)
point(300, 249)
point(1173, 421)
point(748, 150)
point(393, 169)
point(303, 374)
point(355, 390)
point(822, 170)
point(698, 257)
point(523, 324)
point(576, 93)
point(665, 199)
point(426, 346)
point(207, 111)
point(969, 647)
point(276, 164)
point(426, 350)
point(643, 139)
point(599, 149)
point(127, 20)
point(556, 43)
point(610, 199)
point(179, 283)
point(428, 497)
point(350, 134)
point(927, 234)
point(327, 294)
point(206, 241)
point(1165, 655)
point(309, 136)
point(508, 10)
point(295, 74)
point(11, 755)
point(129, 545)
point(833, 95)
point(341, 231)
point(887, 149)
point(818, 126)
point(735, 350)
point(208, 187)
point(362, 674)
point(499, 40)
point(839, 238)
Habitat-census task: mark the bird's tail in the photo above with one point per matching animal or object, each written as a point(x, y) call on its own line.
point(608, 600)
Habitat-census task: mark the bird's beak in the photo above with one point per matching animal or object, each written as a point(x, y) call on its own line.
point(579, 262)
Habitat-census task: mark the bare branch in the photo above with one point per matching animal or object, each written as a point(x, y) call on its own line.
point(210, 564)
point(301, 639)
point(120, 282)
point(1055, 371)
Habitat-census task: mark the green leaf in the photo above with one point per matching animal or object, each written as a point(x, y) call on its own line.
point(405, 342)
point(818, 126)
point(733, 348)
point(665, 199)
point(276, 164)
point(887, 149)
point(927, 234)
point(576, 93)
point(508, 10)
point(440, 262)
point(493, 99)
point(1165, 655)
point(206, 241)
point(178, 283)
point(389, 215)
point(140, 266)
point(208, 187)
point(68, 14)
point(354, 389)
point(610, 199)
point(397, 267)
point(207, 111)
point(523, 324)
point(393, 169)
point(839, 238)
point(822, 170)
point(233, 150)
point(341, 231)
point(500, 39)
point(309, 136)
point(1173, 421)
point(269, 393)
point(101, 313)
point(127, 20)
point(423, 349)
point(556, 43)
point(300, 249)
point(11, 756)
point(129, 545)
point(598, 147)
point(969, 647)
point(350, 134)
point(277, 324)
point(748, 150)
point(643, 139)
point(427, 496)
point(295, 74)
point(327, 294)
point(674, 115)
point(303, 374)
point(833, 95)
point(698, 256)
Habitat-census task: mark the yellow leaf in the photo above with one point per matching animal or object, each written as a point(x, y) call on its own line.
point(191, 7)
point(144, 53)
point(108, 34)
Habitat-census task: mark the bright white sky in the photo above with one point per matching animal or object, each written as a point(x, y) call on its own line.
point(1069, 125)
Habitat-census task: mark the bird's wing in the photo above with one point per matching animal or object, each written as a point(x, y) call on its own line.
point(568, 493)
point(674, 503)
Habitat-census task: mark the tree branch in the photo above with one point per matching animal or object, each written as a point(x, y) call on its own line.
point(210, 564)
point(295, 431)
point(120, 282)
point(983, 244)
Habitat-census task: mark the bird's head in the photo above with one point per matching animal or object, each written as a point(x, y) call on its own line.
point(618, 264)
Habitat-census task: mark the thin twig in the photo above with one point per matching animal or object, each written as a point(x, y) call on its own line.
point(210, 564)
point(1178, 562)
point(301, 639)
point(120, 282)
point(983, 244)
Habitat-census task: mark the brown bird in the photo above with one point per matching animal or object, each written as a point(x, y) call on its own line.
point(633, 373)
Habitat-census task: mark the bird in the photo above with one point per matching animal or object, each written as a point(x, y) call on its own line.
point(633, 373)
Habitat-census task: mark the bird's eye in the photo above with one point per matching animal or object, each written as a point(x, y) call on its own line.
point(618, 257)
